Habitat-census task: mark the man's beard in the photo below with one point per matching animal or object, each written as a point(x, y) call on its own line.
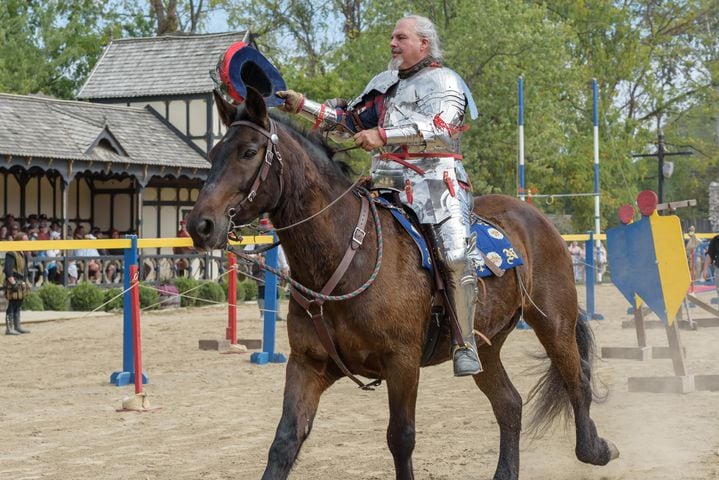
point(395, 63)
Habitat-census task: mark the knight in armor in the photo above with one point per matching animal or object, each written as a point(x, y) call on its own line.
point(412, 115)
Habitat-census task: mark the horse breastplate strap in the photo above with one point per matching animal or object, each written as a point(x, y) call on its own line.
point(323, 332)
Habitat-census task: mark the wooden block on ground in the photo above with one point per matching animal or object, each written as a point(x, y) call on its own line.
point(647, 324)
point(218, 345)
point(250, 343)
point(665, 352)
point(683, 324)
point(707, 322)
point(683, 384)
point(627, 353)
point(707, 382)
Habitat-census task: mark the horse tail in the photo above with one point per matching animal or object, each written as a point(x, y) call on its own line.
point(551, 399)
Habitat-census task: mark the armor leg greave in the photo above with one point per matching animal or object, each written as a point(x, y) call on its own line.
point(456, 252)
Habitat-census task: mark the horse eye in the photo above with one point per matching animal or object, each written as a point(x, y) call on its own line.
point(250, 153)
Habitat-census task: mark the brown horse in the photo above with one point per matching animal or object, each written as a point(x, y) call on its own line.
point(380, 333)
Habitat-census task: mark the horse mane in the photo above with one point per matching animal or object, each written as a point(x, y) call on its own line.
point(319, 148)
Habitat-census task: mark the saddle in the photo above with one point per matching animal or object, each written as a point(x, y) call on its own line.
point(493, 245)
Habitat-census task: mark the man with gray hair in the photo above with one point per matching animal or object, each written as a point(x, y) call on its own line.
point(413, 116)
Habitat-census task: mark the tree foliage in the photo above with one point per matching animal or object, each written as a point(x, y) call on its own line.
point(656, 64)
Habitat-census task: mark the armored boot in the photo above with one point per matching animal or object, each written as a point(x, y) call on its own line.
point(457, 252)
point(18, 327)
point(465, 358)
point(9, 325)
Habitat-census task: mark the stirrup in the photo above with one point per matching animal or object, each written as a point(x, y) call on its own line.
point(465, 361)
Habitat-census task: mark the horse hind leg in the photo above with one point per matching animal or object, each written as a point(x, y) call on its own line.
point(506, 404)
point(569, 343)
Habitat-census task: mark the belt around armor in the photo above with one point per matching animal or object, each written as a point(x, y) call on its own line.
point(404, 157)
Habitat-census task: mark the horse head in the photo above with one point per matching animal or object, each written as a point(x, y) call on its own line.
point(245, 178)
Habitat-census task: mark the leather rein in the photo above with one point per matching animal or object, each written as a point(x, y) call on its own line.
point(313, 304)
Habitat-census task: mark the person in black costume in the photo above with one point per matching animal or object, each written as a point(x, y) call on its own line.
point(16, 288)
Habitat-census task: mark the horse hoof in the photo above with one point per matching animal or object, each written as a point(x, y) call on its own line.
point(613, 451)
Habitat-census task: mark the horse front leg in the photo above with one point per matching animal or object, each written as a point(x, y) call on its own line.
point(305, 380)
point(402, 392)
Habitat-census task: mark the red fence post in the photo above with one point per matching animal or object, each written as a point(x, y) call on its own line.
point(231, 332)
point(135, 292)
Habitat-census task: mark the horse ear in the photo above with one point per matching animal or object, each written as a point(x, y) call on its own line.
point(226, 109)
point(256, 108)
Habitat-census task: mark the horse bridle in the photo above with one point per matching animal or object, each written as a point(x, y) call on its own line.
point(271, 153)
point(316, 298)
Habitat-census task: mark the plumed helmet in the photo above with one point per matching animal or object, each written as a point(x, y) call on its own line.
point(243, 66)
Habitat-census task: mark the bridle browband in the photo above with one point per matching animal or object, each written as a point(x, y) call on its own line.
point(271, 153)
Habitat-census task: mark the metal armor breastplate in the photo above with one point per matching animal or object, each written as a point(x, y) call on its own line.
point(425, 113)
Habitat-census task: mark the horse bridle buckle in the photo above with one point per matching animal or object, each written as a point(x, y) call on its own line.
point(358, 236)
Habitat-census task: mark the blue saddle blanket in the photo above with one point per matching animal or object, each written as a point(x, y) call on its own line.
point(490, 240)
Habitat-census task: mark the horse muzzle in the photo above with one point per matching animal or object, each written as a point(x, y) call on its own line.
point(207, 233)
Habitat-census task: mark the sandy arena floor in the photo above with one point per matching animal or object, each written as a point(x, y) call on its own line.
point(218, 414)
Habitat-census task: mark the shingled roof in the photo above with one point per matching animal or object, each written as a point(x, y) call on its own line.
point(157, 66)
point(39, 127)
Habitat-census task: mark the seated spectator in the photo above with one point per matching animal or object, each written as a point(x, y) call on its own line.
point(9, 220)
point(43, 231)
point(72, 272)
point(31, 223)
point(53, 268)
point(55, 227)
point(93, 264)
point(3, 232)
point(115, 235)
point(14, 230)
point(182, 265)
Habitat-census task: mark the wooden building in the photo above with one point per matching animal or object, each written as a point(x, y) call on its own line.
point(131, 153)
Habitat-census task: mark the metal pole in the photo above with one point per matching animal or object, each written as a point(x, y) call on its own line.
point(595, 119)
point(660, 156)
point(589, 272)
point(520, 124)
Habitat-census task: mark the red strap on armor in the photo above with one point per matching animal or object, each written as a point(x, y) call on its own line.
point(448, 127)
point(448, 181)
point(402, 157)
point(320, 117)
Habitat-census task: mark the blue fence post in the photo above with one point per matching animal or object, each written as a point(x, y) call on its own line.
point(268, 353)
point(127, 375)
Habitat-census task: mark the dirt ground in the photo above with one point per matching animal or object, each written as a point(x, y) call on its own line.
point(217, 413)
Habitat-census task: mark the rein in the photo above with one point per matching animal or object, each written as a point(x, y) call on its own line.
point(357, 237)
point(318, 298)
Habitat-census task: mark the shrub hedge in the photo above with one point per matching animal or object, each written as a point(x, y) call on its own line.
point(33, 302)
point(116, 303)
point(54, 297)
point(185, 284)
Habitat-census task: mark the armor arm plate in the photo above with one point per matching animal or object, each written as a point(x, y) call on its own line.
point(326, 119)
